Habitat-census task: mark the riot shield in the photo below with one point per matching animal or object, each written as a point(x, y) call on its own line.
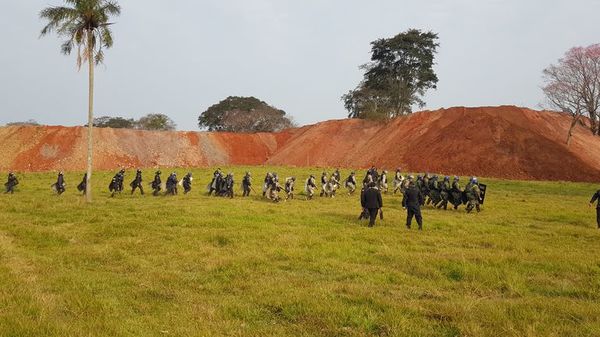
point(482, 189)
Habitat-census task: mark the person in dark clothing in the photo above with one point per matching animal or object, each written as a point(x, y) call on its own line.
point(59, 185)
point(137, 182)
point(83, 184)
point(11, 182)
point(247, 184)
point(156, 184)
point(229, 183)
point(413, 199)
point(187, 183)
point(172, 184)
point(371, 200)
point(596, 197)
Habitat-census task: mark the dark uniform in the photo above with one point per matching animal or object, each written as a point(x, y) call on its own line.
point(187, 183)
point(413, 199)
point(456, 193)
point(215, 183)
point(156, 184)
point(372, 202)
point(11, 182)
point(434, 191)
point(59, 185)
point(83, 184)
point(228, 190)
point(445, 190)
point(137, 182)
point(596, 197)
point(116, 183)
point(247, 184)
point(172, 184)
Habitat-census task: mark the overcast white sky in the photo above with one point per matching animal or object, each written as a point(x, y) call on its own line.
point(179, 57)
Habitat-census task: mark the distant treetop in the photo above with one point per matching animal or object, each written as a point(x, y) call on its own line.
point(244, 114)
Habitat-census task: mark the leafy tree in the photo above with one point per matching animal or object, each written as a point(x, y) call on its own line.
point(156, 122)
point(244, 114)
point(29, 122)
point(114, 122)
point(396, 79)
point(573, 85)
point(85, 25)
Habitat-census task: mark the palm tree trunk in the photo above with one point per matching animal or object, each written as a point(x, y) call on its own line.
point(88, 183)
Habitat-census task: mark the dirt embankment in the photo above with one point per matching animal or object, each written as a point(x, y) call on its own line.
point(503, 142)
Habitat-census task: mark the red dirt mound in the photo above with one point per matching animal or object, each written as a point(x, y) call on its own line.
point(503, 142)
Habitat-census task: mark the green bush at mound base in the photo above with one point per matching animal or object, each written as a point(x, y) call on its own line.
point(528, 265)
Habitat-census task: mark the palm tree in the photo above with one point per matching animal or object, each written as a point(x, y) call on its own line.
point(85, 25)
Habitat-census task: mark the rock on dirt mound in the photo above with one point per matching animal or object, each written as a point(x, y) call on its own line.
point(503, 142)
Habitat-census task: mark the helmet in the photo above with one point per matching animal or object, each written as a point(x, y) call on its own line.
point(474, 180)
point(456, 178)
point(352, 173)
point(446, 178)
point(411, 177)
point(158, 172)
point(139, 171)
point(190, 174)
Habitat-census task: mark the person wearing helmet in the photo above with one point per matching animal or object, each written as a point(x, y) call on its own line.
point(324, 181)
point(351, 183)
point(156, 184)
point(229, 183)
point(310, 187)
point(267, 183)
point(172, 184)
point(116, 183)
point(336, 175)
point(11, 182)
point(83, 184)
point(398, 180)
point(137, 182)
point(59, 186)
point(289, 187)
point(445, 189)
point(434, 191)
point(473, 195)
point(456, 193)
point(246, 184)
point(186, 182)
point(596, 197)
point(383, 182)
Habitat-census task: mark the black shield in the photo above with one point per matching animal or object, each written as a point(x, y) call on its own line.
point(482, 189)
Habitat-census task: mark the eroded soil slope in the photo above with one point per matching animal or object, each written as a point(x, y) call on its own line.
point(503, 142)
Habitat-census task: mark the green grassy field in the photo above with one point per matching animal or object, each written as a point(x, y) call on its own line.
point(528, 265)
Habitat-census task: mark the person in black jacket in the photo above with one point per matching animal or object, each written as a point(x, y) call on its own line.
point(137, 182)
point(371, 200)
point(11, 183)
point(596, 197)
point(59, 186)
point(413, 199)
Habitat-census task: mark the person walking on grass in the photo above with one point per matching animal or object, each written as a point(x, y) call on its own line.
point(413, 199)
point(372, 202)
point(596, 198)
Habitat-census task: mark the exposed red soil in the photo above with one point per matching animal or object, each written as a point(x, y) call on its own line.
point(503, 142)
